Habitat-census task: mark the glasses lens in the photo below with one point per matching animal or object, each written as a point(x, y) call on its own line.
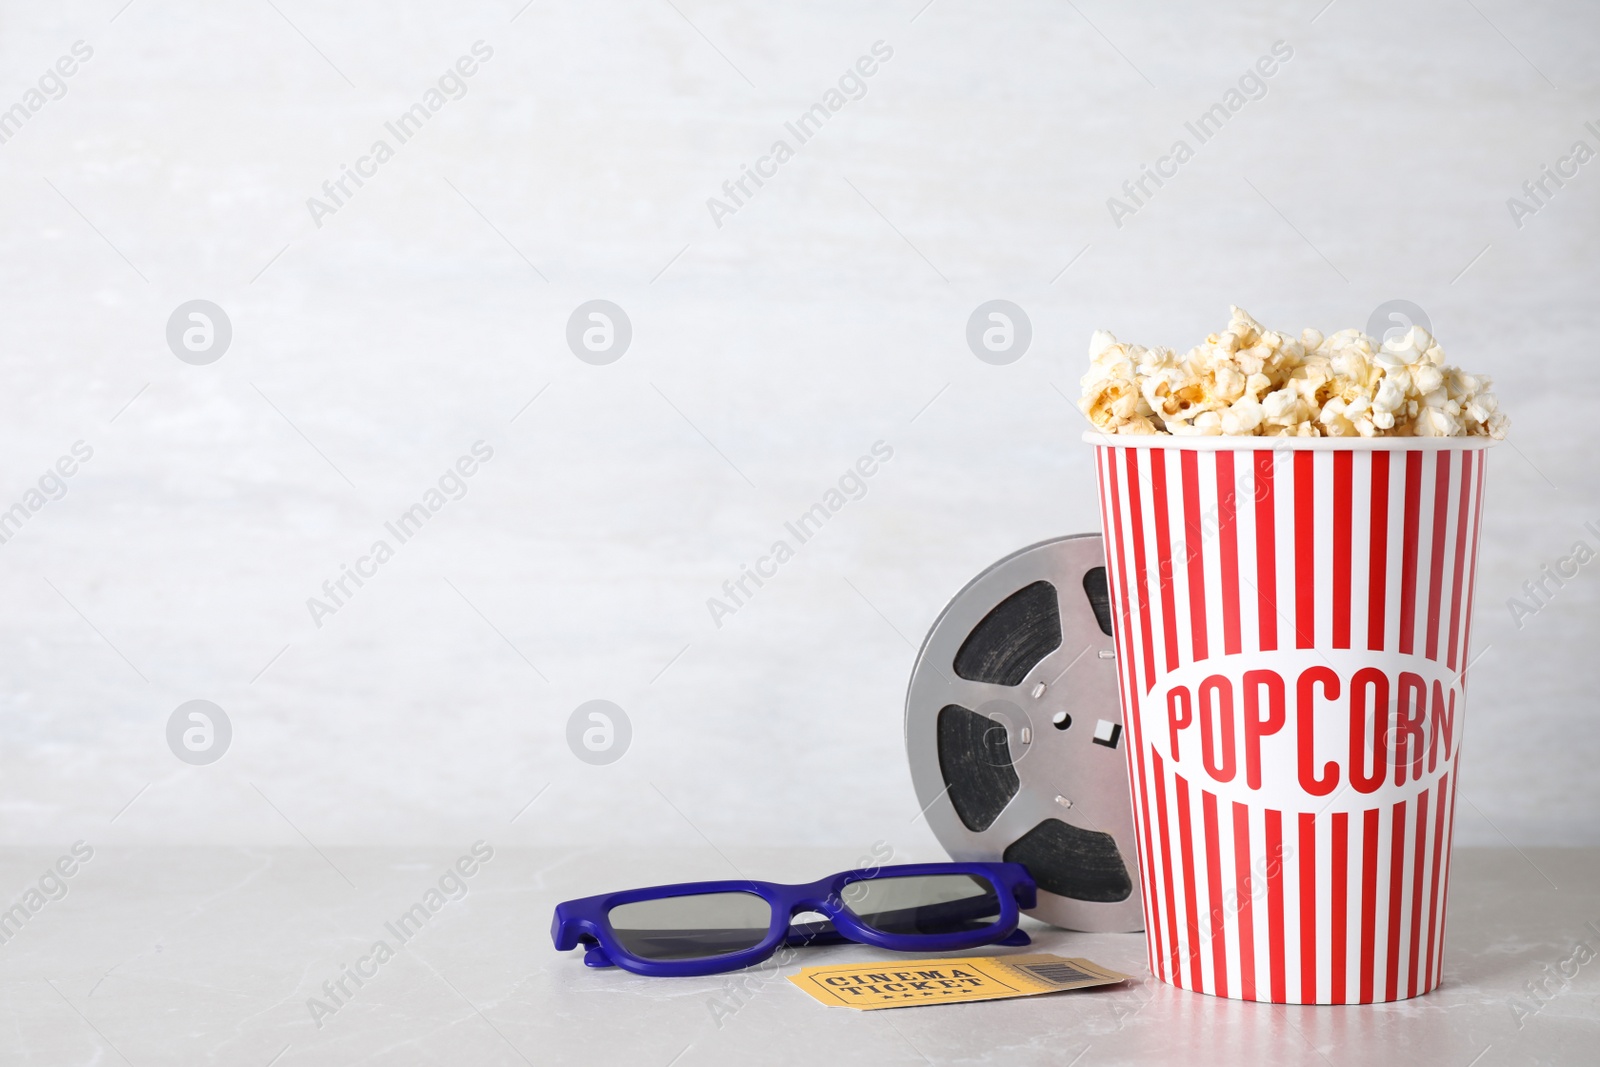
point(692, 927)
point(924, 903)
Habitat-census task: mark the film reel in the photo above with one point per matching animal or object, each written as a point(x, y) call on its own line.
point(1014, 732)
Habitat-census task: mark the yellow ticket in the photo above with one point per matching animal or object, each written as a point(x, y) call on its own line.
point(907, 984)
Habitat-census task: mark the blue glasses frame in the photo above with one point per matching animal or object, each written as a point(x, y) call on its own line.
point(586, 921)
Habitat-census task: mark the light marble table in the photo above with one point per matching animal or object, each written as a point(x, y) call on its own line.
point(210, 955)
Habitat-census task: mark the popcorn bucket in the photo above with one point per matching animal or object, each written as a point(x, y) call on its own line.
point(1292, 622)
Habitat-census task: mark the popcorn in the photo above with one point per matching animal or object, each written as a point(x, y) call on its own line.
point(1111, 396)
point(1251, 381)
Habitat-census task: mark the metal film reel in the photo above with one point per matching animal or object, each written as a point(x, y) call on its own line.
point(1014, 732)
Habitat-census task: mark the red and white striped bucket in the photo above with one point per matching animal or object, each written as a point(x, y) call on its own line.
point(1292, 619)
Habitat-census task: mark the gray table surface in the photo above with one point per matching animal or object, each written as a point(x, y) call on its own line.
point(210, 955)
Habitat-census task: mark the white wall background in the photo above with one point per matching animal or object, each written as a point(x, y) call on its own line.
point(822, 317)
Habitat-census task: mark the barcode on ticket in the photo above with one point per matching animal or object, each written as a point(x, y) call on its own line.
point(1057, 973)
